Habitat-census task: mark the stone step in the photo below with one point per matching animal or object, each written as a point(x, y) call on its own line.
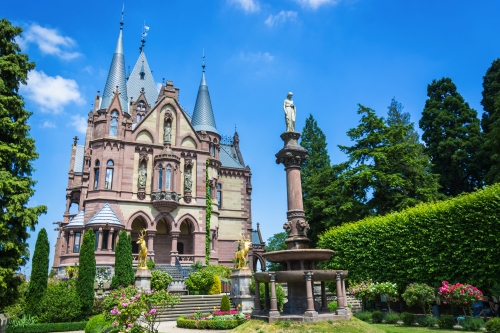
point(191, 303)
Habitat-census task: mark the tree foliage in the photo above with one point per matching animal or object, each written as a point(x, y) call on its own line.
point(452, 137)
point(17, 153)
point(490, 123)
point(86, 274)
point(39, 274)
point(124, 271)
point(276, 243)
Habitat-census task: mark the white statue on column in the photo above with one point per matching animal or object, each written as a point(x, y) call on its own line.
point(290, 112)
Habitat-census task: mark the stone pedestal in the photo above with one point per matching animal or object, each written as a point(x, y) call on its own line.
point(143, 279)
point(240, 289)
point(3, 322)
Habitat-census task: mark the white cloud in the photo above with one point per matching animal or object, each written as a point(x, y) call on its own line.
point(79, 123)
point(315, 4)
point(89, 69)
point(51, 93)
point(248, 6)
point(49, 41)
point(281, 17)
point(48, 124)
point(256, 57)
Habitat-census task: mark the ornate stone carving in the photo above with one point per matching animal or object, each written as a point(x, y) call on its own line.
point(294, 214)
point(141, 194)
point(143, 175)
point(167, 132)
point(289, 159)
point(303, 226)
point(287, 226)
point(143, 157)
point(290, 113)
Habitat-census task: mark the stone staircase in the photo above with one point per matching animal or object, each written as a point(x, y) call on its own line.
point(189, 303)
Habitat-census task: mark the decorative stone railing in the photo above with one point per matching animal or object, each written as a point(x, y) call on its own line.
point(186, 259)
point(165, 202)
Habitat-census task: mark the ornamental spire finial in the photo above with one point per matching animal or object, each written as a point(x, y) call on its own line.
point(123, 16)
point(203, 60)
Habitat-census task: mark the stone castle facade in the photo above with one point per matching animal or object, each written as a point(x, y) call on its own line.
point(144, 165)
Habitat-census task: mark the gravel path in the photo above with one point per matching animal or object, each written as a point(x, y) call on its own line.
point(171, 327)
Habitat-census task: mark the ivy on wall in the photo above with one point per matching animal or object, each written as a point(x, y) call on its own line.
point(454, 240)
point(208, 216)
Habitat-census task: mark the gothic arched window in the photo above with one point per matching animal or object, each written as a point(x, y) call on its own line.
point(109, 175)
point(213, 150)
point(113, 124)
point(168, 177)
point(96, 174)
point(160, 177)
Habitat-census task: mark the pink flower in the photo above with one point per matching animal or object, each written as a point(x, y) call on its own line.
point(152, 311)
point(129, 325)
point(115, 323)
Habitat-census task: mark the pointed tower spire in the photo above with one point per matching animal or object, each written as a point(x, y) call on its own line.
point(203, 115)
point(116, 75)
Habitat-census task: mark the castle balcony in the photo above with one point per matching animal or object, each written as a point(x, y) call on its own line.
point(165, 202)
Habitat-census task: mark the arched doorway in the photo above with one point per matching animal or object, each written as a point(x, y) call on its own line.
point(186, 237)
point(162, 242)
point(137, 225)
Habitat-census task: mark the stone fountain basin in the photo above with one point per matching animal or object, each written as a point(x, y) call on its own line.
point(298, 276)
point(300, 254)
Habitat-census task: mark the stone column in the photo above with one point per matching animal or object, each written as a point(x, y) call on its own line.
point(267, 302)
point(71, 241)
point(151, 237)
point(346, 308)
point(324, 302)
point(110, 239)
point(273, 311)
point(257, 308)
point(310, 312)
point(173, 251)
point(99, 240)
point(64, 243)
point(340, 294)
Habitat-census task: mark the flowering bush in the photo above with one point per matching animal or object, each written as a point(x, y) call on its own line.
point(131, 308)
point(364, 290)
point(460, 294)
point(160, 280)
point(419, 294)
point(216, 320)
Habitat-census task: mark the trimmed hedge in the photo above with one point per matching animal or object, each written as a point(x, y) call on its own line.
point(182, 322)
point(48, 327)
point(447, 240)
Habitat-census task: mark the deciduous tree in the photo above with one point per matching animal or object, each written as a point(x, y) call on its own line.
point(17, 153)
point(276, 243)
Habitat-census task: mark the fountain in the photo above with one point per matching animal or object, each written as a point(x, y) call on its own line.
point(298, 262)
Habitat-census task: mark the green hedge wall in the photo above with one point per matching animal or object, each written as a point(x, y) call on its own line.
point(44, 328)
point(182, 322)
point(455, 240)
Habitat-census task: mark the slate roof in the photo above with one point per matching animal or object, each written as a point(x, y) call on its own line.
point(105, 215)
point(116, 77)
point(228, 157)
point(203, 116)
point(256, 238)
point(79, 157)
point(135, 84)
point(77, 221)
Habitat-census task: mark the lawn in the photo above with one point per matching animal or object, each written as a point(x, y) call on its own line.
point(406, 329)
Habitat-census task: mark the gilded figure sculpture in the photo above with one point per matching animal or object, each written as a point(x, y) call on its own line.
point(143, 253)
point(290, 113)
point(240, 257)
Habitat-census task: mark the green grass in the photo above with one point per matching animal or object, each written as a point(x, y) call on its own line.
point(413, 329)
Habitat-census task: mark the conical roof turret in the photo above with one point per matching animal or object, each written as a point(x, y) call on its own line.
point(116, 77)
point(203, 115)
point(142, 77)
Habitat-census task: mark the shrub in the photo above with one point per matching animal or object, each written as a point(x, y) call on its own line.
point(419, 294)
point(97, 324)
point(364, 315)
point(48, 327)
point(225, 304)
point(216, 287)
point(18, 309)
point(472, 324)
point(86, 274)
point(431, 232)
point(377, 317)
point(333, 306)
point(446, 322)
point(426, 321)
point(183, 322)
point(23, 321)
point(160, 280)
point(124, 271)
point(462, 295)
point(407, 318)
point(151, 264)
point(39, 274)
point(60, 303)
point(222, 271)
point(199, 280)
point(280, 294)
point(391, 318)
point(493, 325)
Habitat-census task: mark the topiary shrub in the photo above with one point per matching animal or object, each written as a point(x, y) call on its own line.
point(86, 274)
point(160, 280)
point(225, 304)
point(39, 274)
point(364, 316)
point(472, 324)
point(333, 306)
point(124, 271)
point(377, 317)
point(391, 318)
point(493, 325)
point(216, 287)
point(407, 318)
point(426, 321)
point(446, 322)
point(97, 324)
point(48, 327)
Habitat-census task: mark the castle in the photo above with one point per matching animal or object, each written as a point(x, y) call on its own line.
point(145, 163)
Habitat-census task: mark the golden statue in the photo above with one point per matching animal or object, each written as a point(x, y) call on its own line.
point(143, 253)
point(240, 257)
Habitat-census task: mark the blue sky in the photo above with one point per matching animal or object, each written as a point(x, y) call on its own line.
point(332, 54)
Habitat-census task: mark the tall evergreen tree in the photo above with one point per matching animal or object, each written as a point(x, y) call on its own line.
point(17, 153)
point(315, 173)
point(124, 271)
point(86, 274)
point(490, 123)
point(452, 137)
point(39, 274)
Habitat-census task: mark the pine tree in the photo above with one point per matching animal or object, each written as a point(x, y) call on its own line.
point(86, 274)
point(124, 271)
point(17, 153)
point(490, 123)
point(39, 274)
point(315, 172)
point(452, 137)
